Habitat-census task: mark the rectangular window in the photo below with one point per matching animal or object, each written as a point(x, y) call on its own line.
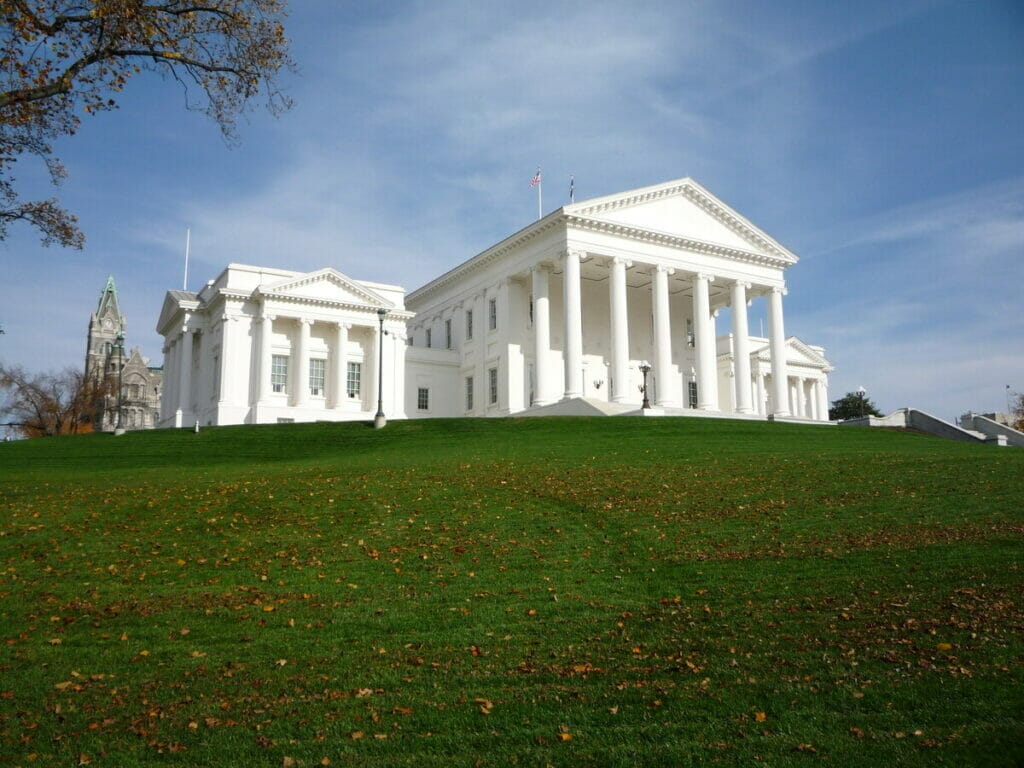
point(355, 375)
point(693, 393)
point(531, 309)
point(469, 393)
point(216, 376)
point(492, 386)
point(283, 420)
point(448, 333)
point(492, 314)
point(422, 399)
point(316, 377)
point(429, 335)
point(279, 373)
point(469, 324)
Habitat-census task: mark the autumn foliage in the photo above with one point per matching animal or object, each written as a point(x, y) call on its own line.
point(61, 59)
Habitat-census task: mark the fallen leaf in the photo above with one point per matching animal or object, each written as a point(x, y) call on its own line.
point(357, 735)
point(760, 717)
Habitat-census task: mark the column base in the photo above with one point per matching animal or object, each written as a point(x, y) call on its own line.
point(379, 421)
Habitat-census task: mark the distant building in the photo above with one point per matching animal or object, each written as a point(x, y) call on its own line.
point(574, 313)
point(106, 358)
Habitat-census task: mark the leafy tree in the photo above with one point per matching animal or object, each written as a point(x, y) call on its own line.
point(852, 405)
point(1017, 411)
point(59, 58)
point(45, 404)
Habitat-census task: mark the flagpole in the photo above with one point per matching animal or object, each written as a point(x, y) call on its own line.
point(188, 235)
point(540, 196)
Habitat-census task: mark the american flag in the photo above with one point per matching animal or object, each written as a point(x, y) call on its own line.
point(536, 179)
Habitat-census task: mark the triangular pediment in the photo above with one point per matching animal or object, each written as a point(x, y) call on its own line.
point(175, 302)
point(798, 354)
point(326, 286)
point(682, 209)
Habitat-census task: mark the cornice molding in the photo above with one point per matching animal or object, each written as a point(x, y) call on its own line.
point(656, 237)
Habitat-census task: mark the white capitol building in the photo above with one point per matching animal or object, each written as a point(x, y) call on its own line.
point(561, 317)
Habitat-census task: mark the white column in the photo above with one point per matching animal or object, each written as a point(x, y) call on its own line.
point(704, 338)
point(821, 392)
point(619, 330)
point(185, 380)
point(741, 346)
point(777, 350)
point(761, 405)
point(263, 388)
point(801, 398)
point(340, 373)
point(541, 335)
point(663, 338)
point(378, 340)
point(225, 351)
point(398, 372)
point(573, 311)
point(301, 395)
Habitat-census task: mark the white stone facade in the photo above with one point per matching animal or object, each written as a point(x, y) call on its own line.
point(569, 308)
point(260, 346)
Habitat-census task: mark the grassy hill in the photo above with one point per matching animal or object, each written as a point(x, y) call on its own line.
point(565, 592)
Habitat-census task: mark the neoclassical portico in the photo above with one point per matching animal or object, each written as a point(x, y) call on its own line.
point(593, 290)
point(667, 359)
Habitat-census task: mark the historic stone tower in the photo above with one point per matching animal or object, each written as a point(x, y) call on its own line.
point(105, 325)
point(109, 366)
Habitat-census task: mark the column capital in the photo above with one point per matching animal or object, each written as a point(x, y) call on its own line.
point(621, 260)
point(662, 268)
point(704, 276)
point(265, 317)
point(574, 253)
point(779, 289)
point(540, 266)
point(742, 284)
point(345, 326)
point(304, 321)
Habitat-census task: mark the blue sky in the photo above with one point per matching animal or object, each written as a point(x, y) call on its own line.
point(882, 142)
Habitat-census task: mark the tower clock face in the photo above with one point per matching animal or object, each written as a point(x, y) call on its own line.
point(107, 325)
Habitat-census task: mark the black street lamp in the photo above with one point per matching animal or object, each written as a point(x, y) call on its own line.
point(645, 368)
point(379, 420)
point(119, 346)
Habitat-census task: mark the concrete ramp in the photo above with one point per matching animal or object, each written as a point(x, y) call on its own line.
point(911, 418)
point(992, 429)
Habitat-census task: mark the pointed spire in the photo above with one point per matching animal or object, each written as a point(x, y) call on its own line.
point(109, 308)
point(108, 298)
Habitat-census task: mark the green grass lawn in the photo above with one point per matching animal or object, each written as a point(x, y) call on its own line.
point(563, 592)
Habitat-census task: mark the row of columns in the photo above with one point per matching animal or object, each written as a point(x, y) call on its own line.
point(339, 371)
point(704, 336)
point(175, 400)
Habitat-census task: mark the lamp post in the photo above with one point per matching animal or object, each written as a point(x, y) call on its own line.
point(861, 392)
point(119, 346)
point(645, 368)
point(379, 420)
